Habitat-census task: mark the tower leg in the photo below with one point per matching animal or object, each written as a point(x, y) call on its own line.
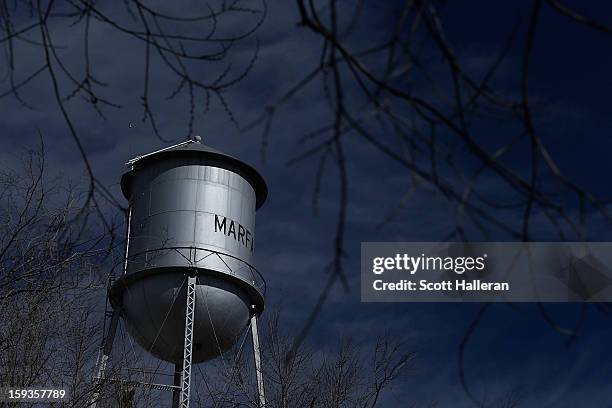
point(176, 394)
point(189, 315)
point(105, 352)
point(258, 371)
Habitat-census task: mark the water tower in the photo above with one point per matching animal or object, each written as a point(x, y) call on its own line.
point(189, 288)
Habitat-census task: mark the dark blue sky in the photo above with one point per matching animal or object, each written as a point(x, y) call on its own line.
point(513, 347)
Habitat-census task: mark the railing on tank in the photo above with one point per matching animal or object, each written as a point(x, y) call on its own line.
point(198, 254)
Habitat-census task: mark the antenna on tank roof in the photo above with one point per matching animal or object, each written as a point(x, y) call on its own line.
point(186, 142)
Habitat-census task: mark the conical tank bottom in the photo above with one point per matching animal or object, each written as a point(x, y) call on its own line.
point(154, 312)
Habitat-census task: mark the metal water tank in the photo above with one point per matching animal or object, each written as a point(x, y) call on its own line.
point(192, 212)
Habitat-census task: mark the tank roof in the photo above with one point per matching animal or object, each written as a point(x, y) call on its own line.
point(195, 147)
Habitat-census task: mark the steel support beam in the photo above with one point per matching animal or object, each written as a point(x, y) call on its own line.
point(103, 356)
point(187, 357)
point(107, 346)
point(258, 371)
